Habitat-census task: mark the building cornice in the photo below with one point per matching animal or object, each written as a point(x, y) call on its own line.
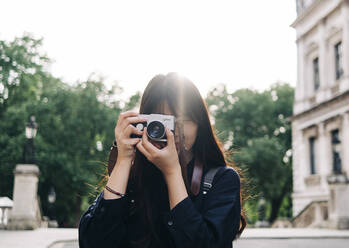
point(312, 15)
point(305, 12)
point(321, 105)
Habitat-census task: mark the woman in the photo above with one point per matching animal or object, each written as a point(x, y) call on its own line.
point(153, 196)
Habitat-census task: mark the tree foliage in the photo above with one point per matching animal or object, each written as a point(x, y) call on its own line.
point(71, 120)
point(256, 126)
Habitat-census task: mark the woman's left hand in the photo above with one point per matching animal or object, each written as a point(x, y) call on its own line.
point(166, 159)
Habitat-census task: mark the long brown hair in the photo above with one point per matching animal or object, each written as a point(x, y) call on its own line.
point(147, 181)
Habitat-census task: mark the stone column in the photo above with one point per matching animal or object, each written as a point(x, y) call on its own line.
point(297, 146)
point(324, 155)
point(345, 144)
point(300, 89)
point(339, 202)
point(345, 41)
point(302, 168)
point(323, 61)
point(24, 214)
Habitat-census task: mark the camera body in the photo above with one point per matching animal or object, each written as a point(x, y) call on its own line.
point(156, 124)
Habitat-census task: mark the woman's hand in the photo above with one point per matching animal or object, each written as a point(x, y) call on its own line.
point(123, 131)
point(166, 159)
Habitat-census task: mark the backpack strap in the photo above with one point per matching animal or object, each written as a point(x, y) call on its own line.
point(209, 179)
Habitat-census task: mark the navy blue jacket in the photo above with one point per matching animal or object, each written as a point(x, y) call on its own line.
point(193, 222)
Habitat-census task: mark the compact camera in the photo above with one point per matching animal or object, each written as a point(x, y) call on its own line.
point(156, 124)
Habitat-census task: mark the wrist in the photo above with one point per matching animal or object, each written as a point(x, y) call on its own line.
point(124, 161)
point(174, 174)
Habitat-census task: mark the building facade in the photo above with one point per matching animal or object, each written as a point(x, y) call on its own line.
point(320, 123)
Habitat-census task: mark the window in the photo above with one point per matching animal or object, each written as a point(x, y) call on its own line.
point(339, 60)
point(336, 148)
point(299, 6)
point(316, 74)
point(312, 155)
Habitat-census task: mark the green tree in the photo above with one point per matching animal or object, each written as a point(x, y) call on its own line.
point(21, 76)
point(71, 119)
point(256, 126)
point(21, 70)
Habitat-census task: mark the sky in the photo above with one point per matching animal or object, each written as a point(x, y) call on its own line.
point(238, 43)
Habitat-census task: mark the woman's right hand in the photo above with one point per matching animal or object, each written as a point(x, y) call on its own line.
point(123, 131)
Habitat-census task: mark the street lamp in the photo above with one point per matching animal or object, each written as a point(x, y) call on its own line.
point(51, 197)
point(30, 128)
point(30, 133)
point(261, 208)
point(262, 222)
point(99, 146)
point(25, 188)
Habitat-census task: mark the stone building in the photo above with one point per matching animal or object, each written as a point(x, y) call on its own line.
point(320, 124)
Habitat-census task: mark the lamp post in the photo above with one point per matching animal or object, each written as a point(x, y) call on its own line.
point(261, 208)
point(99, 146)
point(262, 222)
point(25, 213)
point(51, 198)
point(29, 149)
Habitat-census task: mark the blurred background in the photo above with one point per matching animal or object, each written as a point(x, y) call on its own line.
point(274, 74)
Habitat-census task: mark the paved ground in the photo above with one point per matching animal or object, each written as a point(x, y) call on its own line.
point(65, 244)
point(257, 238)
point(261, 243)
point(39, 238)
point(295, 238)
point(292, 243)
point(301, 233)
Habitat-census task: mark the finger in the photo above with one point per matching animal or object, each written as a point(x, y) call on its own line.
point(141, 148)
point(124, 115)
point(170, 137)
point(158, 145)
point(129, 120)
point(147, 145)
point(133, 141)
point(131, 129)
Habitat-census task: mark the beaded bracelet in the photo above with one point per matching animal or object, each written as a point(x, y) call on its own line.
point(114, 192)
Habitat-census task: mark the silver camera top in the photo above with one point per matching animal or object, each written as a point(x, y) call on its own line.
point(156, 124)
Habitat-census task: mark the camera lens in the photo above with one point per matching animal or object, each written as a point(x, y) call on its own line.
point(155, 130)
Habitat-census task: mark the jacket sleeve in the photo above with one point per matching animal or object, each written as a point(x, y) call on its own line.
point(220, 220)
point(103, 223)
